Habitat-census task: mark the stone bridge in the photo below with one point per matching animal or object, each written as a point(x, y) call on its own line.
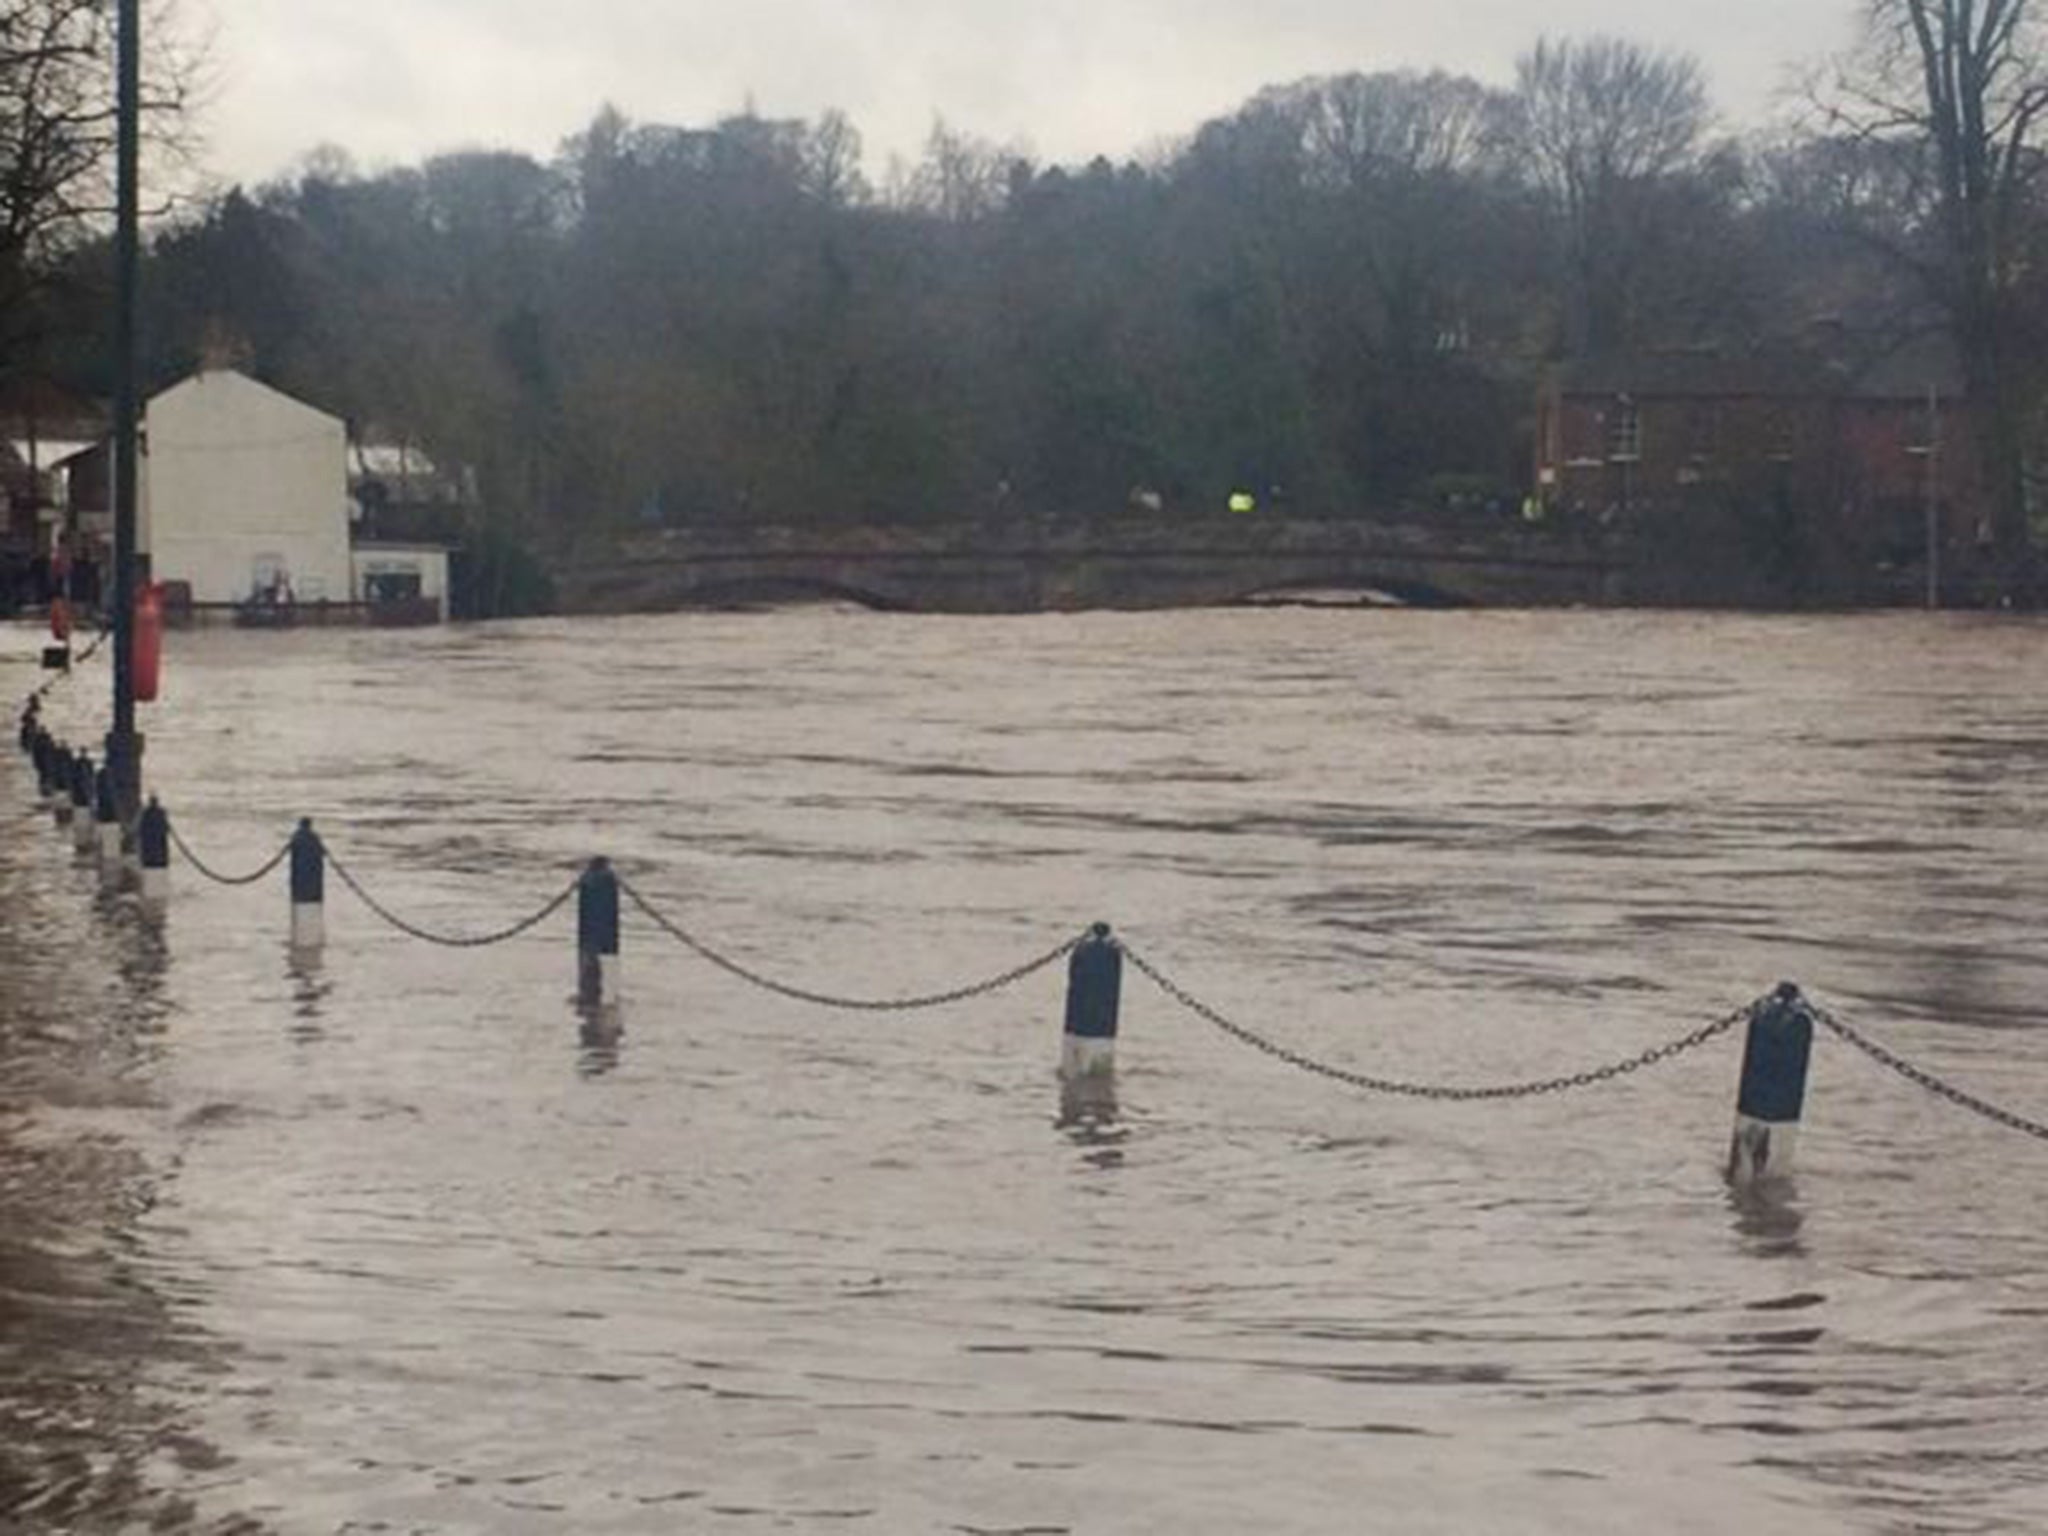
point(969, 568)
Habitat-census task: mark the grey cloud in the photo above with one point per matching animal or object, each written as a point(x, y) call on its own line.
point(396, 79)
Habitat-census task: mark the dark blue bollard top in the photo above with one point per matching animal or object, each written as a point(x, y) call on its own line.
point(309, 866)
point(1095, 974)
point(597, 909)
point(1775, 1057)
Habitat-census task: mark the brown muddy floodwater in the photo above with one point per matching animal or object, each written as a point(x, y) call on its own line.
point(395, 1243)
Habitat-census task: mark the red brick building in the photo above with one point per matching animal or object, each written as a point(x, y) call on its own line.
point(1836, 464)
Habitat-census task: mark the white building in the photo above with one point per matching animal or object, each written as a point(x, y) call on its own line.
point(245, 501)
point(245, 493)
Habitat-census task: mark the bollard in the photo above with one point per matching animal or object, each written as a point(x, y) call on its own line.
point(45, 751)
point(1095, 973)
point(83, 835)
point(153, 841)
point(309, 889)
point(597, 935)
point(106, 823)
point(1773, 1092)
point(60, 783)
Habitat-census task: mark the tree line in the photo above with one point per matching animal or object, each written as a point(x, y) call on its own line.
point(1336, 297)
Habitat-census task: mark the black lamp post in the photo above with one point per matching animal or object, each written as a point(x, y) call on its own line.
point(124, 746)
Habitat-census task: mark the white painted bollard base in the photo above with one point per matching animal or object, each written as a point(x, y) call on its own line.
point(1086, 1056)
point(604, 969)
point(156, 885)
point(109, 835)
point(1761, 1149)
point(309, 924)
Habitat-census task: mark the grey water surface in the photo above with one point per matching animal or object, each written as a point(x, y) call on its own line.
point(398, 1241)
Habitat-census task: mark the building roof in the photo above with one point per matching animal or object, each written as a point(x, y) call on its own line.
point(39, 408)
point(48, 452)
point(235, 380)
point(1907, 370)
point(1695, 373)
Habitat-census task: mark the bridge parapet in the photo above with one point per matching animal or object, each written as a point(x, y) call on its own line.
point(1124, 563)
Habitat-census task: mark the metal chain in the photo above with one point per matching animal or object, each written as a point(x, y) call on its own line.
point(1438, 1091)
point(214, 875)
point(851, 1004)
point(446, 940)
point(1928, 1080)
point(37, 695)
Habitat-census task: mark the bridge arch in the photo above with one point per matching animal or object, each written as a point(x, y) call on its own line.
point(1392, 591)
point(768, 591)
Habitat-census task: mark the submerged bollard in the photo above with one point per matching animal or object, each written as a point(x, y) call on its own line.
point(60, 783)
point(597, 935)
point(106, 823)
point(309, 888)
point(44, 751)
point(1095, 973)
point(83, 835)
point(1773, 1092)
point(153, 842)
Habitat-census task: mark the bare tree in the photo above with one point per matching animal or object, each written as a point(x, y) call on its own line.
point(962, 179)
point(1361, 128)
point(57, 129)
point(1962, 85)
point(832, 161)
point(1607, 127)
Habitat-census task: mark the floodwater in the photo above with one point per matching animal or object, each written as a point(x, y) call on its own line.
point(398, 1241)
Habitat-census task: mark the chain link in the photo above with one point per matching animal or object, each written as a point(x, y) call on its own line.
point(37, 695)
point(1928, 1080)
point(447, 940)
point(214, 875)
point(850, 1004)
point(1435, 1091)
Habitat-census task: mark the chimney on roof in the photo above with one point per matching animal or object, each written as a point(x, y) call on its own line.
point(221, 347)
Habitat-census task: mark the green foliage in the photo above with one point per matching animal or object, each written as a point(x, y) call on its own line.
point(494, 576)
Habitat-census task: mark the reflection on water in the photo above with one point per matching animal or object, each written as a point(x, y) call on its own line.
point(1088, 1116)
point(1768, 1217)
point(89, 1438)
point(600, 1032)
point(306, 973)
point(386, 1241)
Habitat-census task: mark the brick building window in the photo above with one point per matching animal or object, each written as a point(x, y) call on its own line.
point(1624, 431)
point(1781, 437)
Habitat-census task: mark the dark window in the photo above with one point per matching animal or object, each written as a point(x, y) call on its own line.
point(1624, 431)
point(391, 586)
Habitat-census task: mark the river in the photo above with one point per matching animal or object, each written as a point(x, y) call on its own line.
point(398, 1241)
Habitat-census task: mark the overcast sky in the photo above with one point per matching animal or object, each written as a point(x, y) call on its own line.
point(395, 80)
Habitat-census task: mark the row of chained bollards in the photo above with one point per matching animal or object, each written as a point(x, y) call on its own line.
point(84, 801)
point(1770, 1098)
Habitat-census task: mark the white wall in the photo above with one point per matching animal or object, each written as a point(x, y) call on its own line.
point(429, 562)
point(239, 478)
